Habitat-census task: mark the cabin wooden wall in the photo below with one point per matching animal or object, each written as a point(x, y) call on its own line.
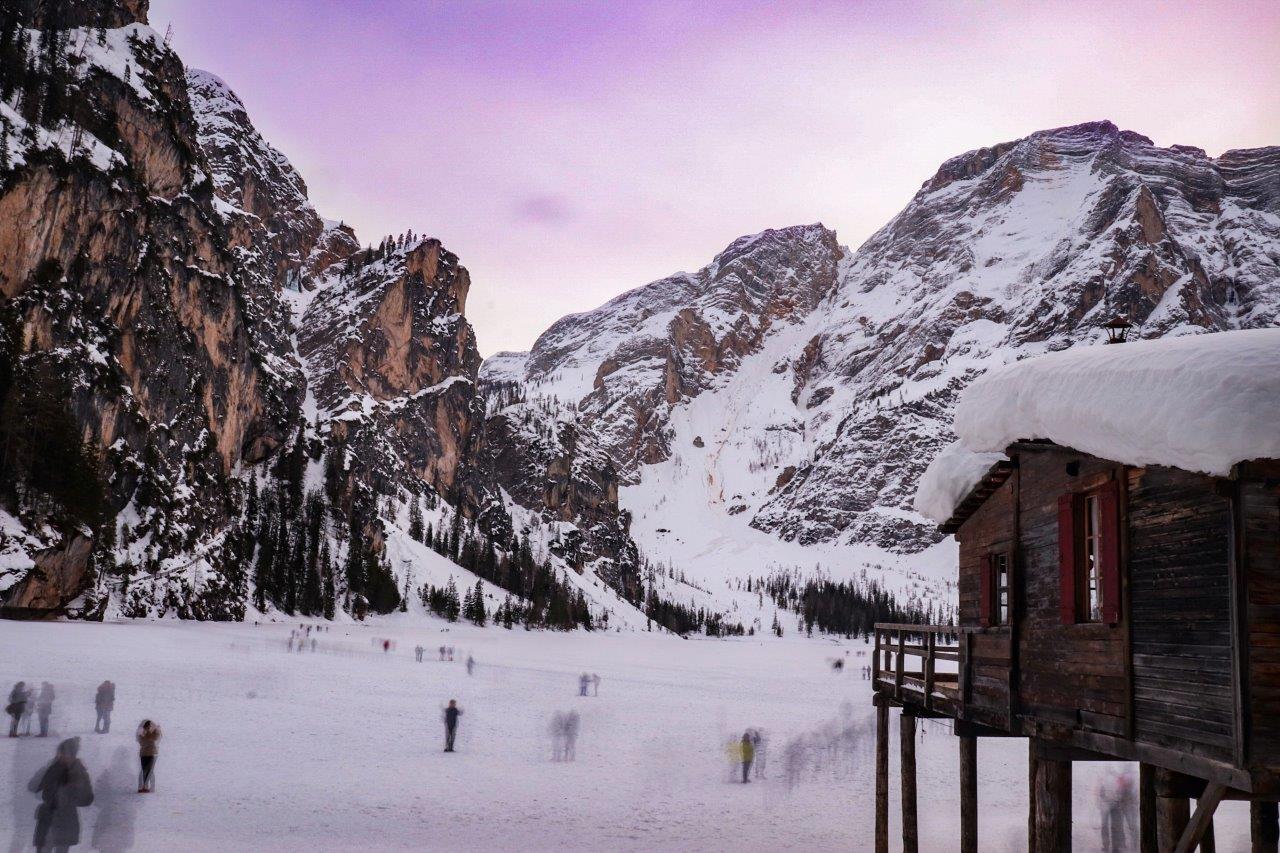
point(1259, 517)
point(991, 527)
point(1180, 611)
point(1075, 675)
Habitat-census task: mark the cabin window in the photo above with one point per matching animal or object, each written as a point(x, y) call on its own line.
point(1091, 566)
point(995, 602)
point(1089, 569)
point(1000, 581)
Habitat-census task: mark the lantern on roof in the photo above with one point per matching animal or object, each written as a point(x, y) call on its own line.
point(1117, 329)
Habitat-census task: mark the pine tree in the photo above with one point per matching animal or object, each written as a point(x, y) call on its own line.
point(468, 606)
point(415, 521)
point(330, 594)
point(478, 614)
point(451, 607)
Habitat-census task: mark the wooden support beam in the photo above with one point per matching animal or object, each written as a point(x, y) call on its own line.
point(1051, 809)
point(1172, 816)
point(1194, 834)
point(968, 794)
point(907, 769)
point(1264, 828)
point(1147, 809)
point(882, 775)
point(1032, 772)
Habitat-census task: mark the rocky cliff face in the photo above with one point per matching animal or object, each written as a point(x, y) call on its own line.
point(134, 327)
point(805, 399)
point(186, 342)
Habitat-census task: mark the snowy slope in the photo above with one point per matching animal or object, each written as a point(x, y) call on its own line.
point(800, 440)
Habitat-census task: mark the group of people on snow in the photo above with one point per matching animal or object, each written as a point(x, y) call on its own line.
point(588, 681)
point(564, 735)
point(63, 786)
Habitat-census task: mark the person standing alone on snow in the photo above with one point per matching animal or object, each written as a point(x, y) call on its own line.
point(63, 787)
point(149, 735)
point(104, 702)
point(451, 715)
point(748, 752)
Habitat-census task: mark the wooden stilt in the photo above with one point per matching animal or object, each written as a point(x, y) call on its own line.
point(1172, 815)
point(1052, 805)
point(968, 794)
point(907, 769)
point(1147, 809)
point(1264, 828)
point(1194, 833)
point(1032, 772)
point(882, 775)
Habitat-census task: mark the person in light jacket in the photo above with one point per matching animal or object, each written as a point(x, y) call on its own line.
point(149, 735)
point(63, 787)
point(748, 753)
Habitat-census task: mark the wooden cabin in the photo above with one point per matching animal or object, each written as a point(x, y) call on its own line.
point(1107, 612)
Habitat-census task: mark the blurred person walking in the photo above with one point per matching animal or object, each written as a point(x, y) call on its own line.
point(471, 664)
point(17, 706)
point(748, 754)
point(115, 827)
point(557, 736)
point(595, 684)
point(571, 724)
point(104, 703)
point(451, 715)
point(63, 787)
point(44, 707)
point(584, 681)
point(149, 735)
point(760, 745)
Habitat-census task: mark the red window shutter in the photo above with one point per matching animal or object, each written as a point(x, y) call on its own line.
point(1067, 557)
point(1109, 547)
point(985, 589)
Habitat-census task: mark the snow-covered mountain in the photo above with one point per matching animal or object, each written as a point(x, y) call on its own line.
point(796, 390)
point(241, 406)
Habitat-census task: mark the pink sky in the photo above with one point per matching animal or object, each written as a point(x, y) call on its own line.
point(568, 151)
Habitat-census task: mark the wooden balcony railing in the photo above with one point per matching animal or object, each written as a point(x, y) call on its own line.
point(929, 686)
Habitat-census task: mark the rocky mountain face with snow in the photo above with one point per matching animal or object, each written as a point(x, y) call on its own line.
point(802, 388)
point(195, 360)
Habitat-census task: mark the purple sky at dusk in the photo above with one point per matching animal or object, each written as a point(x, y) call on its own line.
point(568, 151)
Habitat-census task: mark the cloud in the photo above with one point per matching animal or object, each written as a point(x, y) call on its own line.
point(543, 209)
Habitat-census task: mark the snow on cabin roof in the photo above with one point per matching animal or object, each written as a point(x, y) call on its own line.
point(1198, 402)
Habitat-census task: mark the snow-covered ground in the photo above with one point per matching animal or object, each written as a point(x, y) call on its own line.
point(341, 749)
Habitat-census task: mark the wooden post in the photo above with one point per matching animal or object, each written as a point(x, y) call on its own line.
point(930, 647)
point(1172, 815)
point(875, 660)
point(907, 769)
point(968, 794)
point(1194, 834)
point(1264, 828)
point(1147, 809)
point(1051, 804)
point(1032, 772)
point(882, 774)
point(898, 667)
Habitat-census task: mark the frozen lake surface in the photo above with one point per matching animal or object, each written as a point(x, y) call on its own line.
point(343, 748)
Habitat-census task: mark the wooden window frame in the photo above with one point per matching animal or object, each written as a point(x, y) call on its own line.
point(989, 612)
point(1089, 555)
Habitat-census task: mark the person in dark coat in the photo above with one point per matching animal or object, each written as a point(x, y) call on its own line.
point(104, 702)
point(44, 707)
point(19, 696)
point(63, 788)
point(451, 715)
point(748, 752)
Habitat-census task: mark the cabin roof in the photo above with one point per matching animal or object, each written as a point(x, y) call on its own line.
point(1199, 403)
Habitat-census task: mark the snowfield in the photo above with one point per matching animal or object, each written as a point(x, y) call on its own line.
point(342, 748)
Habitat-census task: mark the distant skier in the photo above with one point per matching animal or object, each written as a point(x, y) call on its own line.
point(471, 664)
point(44, 707)
point(104, 702)
point(748, 753)
point(417, 653)
point(442, 653)
point(451, 715)
point(19, 696)
point(63, 787)
point(584, 681)
point(149, 735)
point(595, 684)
